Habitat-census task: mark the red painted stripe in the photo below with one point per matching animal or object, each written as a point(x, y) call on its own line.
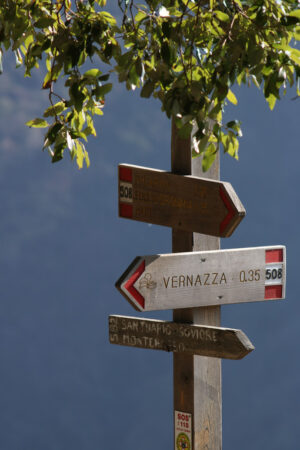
point(131, 289)
point(230, 214)
point(125, 174)
point(273, 291)
point(273, 256)
point(126, 210)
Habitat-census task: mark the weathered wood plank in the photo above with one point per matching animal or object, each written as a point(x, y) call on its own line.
point(197, 379)
point(184, 202)
point(179, 337)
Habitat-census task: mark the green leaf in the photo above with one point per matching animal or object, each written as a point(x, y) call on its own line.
point(37, 123)
point(141, 15)
point(222, 16)
point(104, 77)
point(79, 154)
point(90, 129)
point(231, 97)
point(47, 80)
point(54, 110)
point(98, 111)
point(44, 22)
point(209, 157)
point(271, 99)
point(94, 73)
point(58, 154)
point(77, 96)
point(147, 89)
point(296, 33)
point(295, 13)
point(230, 144)
point(295, 55)
point(53, 132)
point(236, 126)
point(199, 146)
point(234, 145)
point(290, 74)
point(108, 17)
point(241, 78)
point(87, 159)
point(101, 91)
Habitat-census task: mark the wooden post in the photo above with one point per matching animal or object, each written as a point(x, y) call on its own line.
point(197, 379)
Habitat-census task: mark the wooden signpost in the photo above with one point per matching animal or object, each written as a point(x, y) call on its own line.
point(184, 202)
point(193, 281)
point(179, 337)
point(197, 379)
point(216, 277)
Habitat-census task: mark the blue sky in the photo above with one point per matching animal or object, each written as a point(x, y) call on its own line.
point(62, 385)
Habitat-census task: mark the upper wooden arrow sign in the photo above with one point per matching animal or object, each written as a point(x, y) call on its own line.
point(216, 277)
point(183, 202)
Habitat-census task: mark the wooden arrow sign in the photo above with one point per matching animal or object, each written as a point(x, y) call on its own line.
point(179, 337)
point(183, 202)
point(184, 280)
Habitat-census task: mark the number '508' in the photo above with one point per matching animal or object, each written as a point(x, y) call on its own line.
point(272, 274)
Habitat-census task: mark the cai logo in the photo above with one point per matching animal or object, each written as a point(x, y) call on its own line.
point(183, 442)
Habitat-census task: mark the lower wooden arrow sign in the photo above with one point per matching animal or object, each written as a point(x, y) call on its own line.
point(179, 337)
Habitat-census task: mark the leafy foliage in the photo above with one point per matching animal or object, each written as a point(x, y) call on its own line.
point(186, 53)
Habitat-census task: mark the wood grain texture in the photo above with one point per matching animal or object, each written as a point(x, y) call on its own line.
point(197, 379)
point(201, 340)
point(183, 202)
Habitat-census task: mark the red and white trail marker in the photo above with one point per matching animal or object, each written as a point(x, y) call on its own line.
point(183, 430)
point(183, 202)
point(217, 277)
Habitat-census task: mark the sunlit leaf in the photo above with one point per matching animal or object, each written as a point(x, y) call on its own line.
point(37, 123)
point(295, 13)
point(54, 110)
point(94, 73)
point(231, 97)
point(222, 16)
point(209, 157)
point(271, 99)
point(140, 16)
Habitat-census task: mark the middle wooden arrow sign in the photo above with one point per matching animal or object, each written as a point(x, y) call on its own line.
point(216, 277)
point(183, 202)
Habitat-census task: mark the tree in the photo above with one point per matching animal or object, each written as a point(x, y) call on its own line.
point(186, 53)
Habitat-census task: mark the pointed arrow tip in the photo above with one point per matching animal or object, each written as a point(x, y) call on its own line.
point(129, 286)
point(235, 212)
point(125, 284)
